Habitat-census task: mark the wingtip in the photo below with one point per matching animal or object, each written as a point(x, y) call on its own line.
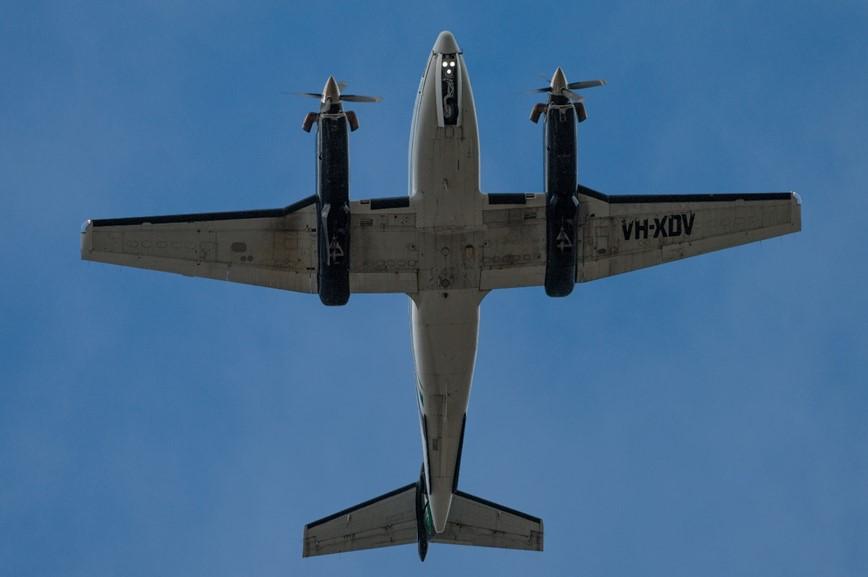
point(86, 239)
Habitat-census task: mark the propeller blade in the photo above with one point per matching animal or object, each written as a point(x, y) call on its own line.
point(574, 86)
point(585, 84)
point(316, 95)
point(359, 98)
point(581, 111)
point(572, 95)
point(560, 89)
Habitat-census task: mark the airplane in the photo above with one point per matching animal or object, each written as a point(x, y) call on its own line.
point(446, 245)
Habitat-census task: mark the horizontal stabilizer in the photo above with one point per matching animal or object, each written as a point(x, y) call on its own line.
point(475, 521)
point(391, 519)
point(383, 521)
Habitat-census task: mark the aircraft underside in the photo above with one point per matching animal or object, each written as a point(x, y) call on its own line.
point(446, 245)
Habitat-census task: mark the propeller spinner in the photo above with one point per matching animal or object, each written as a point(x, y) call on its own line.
point(562, 92)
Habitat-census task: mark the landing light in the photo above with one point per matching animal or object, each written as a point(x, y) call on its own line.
point(452, 64)
point(445, 64)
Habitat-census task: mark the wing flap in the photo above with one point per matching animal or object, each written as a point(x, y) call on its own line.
point(385, 246)
point(513, 254)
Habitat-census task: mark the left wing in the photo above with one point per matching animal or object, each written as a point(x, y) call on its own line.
point(384, 246)
point(273, 248)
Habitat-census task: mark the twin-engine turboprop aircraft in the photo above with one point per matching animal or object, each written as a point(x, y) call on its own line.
point(445, 245)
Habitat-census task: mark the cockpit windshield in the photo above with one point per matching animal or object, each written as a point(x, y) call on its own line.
point(449, 92)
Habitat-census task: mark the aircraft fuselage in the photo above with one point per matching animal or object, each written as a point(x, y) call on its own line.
point(444, 190)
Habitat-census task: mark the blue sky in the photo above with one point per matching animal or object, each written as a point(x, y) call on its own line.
point(707, 417)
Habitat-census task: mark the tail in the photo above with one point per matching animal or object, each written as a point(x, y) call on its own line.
point(401, 517)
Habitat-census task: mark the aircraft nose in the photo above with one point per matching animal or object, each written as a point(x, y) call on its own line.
point(446, 44)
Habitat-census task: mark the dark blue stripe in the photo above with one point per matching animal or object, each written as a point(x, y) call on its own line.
point(390, 202)
point(460, 450)
point(507, 198)
point(654, 198)
point(207, 216)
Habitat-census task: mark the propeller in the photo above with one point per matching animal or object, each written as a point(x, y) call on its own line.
point(559, 84)
point(331, 93)
point(330, 101)
point(559, 87)
point(343, 97)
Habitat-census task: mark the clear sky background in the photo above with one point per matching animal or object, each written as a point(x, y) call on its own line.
point(707, 417)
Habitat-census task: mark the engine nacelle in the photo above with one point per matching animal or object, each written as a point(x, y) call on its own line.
point(333, 209)
point(562, 205)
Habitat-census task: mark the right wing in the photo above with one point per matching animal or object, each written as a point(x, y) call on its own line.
point(625, 233)
point(618, 234)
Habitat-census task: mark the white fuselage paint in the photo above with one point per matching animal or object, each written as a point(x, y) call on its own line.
point(444, 190)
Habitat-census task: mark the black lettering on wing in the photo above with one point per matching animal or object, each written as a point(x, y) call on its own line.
point(675, 225)
point(687, 219)
point(627, 229)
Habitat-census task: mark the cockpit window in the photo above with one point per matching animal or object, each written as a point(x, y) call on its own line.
point(449, 89)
